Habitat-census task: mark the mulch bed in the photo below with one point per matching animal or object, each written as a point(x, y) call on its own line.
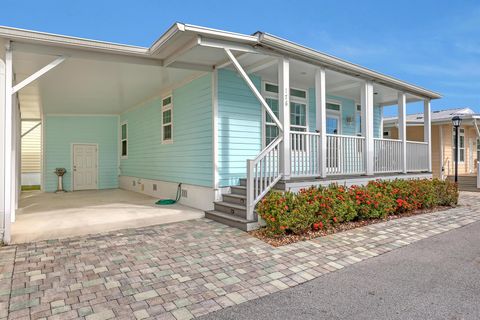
point(282, 240)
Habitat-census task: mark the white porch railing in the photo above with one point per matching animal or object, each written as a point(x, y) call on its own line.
point(263, 173)
point(388, 155)
point(305, 154)
point(417, 156)
point(345, 154)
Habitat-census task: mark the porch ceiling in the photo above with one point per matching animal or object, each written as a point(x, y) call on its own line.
point(302, 75)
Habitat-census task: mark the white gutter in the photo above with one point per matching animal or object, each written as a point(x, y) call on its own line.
point(331, 62)
point(29, 36)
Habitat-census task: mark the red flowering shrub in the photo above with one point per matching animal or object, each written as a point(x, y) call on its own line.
point(320, 207)
point(372, 201)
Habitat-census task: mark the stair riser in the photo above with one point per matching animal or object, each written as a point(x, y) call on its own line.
point(235, 224)
point(234, 211)
point(235, 200)
point(239, 191)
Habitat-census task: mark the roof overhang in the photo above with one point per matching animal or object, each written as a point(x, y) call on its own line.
point(179, 45)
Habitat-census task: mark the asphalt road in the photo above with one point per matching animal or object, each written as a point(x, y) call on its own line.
point(435, 278)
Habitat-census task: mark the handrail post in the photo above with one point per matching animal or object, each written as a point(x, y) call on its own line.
point(250, 206)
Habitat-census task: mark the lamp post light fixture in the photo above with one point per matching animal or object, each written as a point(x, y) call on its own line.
point(456, 122)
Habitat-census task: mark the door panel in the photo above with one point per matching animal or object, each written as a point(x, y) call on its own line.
point(84, 167)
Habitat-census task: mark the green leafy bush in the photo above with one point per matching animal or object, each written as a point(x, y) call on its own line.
point(320, 207)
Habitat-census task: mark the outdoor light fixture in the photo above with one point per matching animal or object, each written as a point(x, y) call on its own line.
point(456, 122)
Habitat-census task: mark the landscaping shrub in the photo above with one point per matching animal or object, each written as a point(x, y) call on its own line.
point(320, 207)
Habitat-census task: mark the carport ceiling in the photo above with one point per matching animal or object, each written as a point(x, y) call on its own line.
point(87, 86)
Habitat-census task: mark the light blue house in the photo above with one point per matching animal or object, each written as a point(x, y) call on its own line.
point(227, 115)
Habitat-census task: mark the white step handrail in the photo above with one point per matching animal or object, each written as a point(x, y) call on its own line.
point(263, 173)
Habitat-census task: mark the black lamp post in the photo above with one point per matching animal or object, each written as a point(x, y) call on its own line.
point(456, 121)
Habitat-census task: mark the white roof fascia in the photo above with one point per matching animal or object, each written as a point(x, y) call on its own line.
point(335, 63)
point(15, 34)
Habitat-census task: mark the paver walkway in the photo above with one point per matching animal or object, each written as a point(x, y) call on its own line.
point(187, 269)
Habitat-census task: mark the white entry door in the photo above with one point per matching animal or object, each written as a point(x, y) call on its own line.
point(84, 166)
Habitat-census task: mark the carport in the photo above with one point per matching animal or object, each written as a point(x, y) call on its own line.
point(43, 216)
point(46, 74)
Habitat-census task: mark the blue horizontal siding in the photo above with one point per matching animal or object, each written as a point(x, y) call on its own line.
point(239, 126)
point(63, 131)
point(189, 158)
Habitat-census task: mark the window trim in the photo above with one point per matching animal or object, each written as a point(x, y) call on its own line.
point(459, 148)
point(164, 109)
point(335, 113)
point(358, 113)
point(124, 123)
point(272, 95)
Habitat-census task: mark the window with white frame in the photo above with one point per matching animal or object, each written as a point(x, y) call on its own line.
point(461, 144)
point(167, 119)
point(298, 111)
point(124, 140)
point(358, 120)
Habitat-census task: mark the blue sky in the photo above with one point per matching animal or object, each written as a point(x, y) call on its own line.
point(435, 44)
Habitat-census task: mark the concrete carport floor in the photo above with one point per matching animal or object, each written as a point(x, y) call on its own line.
point(44, 216)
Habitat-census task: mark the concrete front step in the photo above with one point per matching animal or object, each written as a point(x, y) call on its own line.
point(232, 221)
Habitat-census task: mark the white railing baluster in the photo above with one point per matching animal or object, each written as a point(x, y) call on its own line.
point(263, 173)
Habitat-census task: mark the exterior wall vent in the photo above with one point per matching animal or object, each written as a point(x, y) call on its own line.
point(184, 193)
point(133, 183)
point(154, 186)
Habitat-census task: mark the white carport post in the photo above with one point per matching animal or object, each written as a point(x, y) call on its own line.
point(402, 127)
point(8, 166)
point(3, 223)
point(321, 120)
point(284, 112)
point(427, 131)
point(366, 97)
point(11, 136)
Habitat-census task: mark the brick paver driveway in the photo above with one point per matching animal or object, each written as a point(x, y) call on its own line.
point(187, 269)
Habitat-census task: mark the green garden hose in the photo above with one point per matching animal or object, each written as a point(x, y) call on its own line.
point(163, 202)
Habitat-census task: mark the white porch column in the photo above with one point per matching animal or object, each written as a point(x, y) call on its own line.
point(3, 220)
point(427, 130)
point(321, 120)
point(284, 110)
point(402, 127)
point(7, 138)
point(367, 126)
